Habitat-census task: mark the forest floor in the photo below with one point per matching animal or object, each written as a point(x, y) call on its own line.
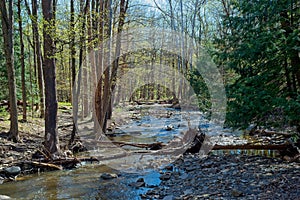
point(30, 147)
point(190, 177)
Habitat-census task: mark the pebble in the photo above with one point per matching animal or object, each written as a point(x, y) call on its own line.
point(107, 176)
point(229, 177)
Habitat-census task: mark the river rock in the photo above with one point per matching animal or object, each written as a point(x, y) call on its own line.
point(169, 127)
point(140, 180)
point(13, 171)
point(139, 183)
point(3, 197)
point(169, 197)
point(165, 176)
point(107, 176)
point(236, 193)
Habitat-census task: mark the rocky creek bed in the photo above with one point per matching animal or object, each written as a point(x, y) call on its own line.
point(228, 177)
point(216, 176)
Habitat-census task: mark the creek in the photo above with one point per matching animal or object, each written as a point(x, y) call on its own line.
point(142, 124)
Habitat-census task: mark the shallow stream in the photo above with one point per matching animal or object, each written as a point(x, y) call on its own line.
point(142, 125)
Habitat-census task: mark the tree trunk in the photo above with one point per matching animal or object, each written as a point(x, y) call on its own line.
point(38, 59)
point(113, 80)
point(7, 29)
point(76, 88)
point(73, 65)
point(22, 63)
point(106, 85)
point(37, 54)
point(51, 135)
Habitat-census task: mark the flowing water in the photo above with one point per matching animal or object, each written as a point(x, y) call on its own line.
point(81, 183)
point(142, 125)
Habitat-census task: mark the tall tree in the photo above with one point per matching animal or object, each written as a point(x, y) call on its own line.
point(22, 62)
point(73, 66)
point(51, 134)
point(37, 53)
point(7, 19)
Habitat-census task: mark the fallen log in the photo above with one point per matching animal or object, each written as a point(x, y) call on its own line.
point(44, 165)
point(152, 146)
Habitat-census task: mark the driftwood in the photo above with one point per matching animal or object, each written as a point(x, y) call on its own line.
point(59, 164)
point(152, 146)
point(44, 165)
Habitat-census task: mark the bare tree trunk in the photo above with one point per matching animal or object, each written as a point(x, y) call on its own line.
point(76, 91)
point(92, 57)
point(98, 93)
point(51, 134)
point(106, 88)
point(7, 29)
point(123, 9)
point(73, 65)
point(22, 63)
point(37, 54)
point(39, 59)
point(30, 78)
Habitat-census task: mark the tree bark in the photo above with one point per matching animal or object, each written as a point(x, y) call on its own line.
point(51, 135)
point(37, 54)
point(106, 85)
point(7, 29)
point(24, 99)
point(73, 65)
point(39, 62)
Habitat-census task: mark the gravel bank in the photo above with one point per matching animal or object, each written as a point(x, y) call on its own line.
point(228, 177)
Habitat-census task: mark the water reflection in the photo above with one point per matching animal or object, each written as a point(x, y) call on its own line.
point(82, 183)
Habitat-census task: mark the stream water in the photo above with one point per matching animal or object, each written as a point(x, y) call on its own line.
point(142, 125)
point(81, 183)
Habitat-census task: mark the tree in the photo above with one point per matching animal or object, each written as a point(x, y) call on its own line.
point(7, 20)
point(104, 102)
point(37, 53)
point(261, 66)
point(51, 134)
point(22, 62)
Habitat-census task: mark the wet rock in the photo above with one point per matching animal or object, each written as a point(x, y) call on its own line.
point(165, 176)
point(169, 127)
point(169, 197)
point(169, 167)
point(139, 183)
point(140, 180)
point(191, 168)
point(107, 176)
point(13, 171)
